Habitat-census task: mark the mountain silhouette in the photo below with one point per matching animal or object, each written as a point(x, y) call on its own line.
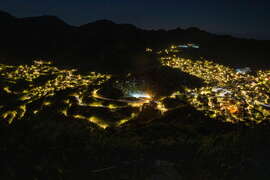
point(45, 20)
point(6, 17)
point(106, 46)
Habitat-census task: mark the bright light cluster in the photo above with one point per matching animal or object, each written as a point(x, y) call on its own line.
point(140, 95)
point(229, 94)
point(209, 71)
point(133, 88)
point(26, 72)
point(83, 97)
point(232, 95)
point(62, 79)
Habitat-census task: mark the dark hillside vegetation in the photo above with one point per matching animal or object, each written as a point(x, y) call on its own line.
point(104, 45)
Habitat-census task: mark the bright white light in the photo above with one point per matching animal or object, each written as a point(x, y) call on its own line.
point(243, 70)
point(140, 95)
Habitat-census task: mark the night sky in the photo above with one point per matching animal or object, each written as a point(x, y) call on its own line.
point(245, 18)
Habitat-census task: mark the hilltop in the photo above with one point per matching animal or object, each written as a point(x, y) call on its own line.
point(103, 45)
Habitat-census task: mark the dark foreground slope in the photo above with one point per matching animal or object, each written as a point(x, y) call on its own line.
point(181, 145)
point(104, 45)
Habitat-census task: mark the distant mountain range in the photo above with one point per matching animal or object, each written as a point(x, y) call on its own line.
point(106, 46)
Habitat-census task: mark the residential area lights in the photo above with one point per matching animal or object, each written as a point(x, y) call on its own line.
point(230, 95)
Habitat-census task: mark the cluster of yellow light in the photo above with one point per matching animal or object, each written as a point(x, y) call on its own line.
point(149, 50)
point(27, 72)
point(64, 112)
point(15, 114)
point(99, 122)
point(209, 71)
point(9, 116)
point(64, 79)
point(123, 121)
point(161, 107)
point(244, 103)
point(231, 95)
point(92, 119)
point(172, 49)
point(7, 90)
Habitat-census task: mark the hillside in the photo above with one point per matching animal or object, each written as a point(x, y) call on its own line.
point(103, 44)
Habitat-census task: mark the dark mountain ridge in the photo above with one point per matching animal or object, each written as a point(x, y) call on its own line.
point(104, 45)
